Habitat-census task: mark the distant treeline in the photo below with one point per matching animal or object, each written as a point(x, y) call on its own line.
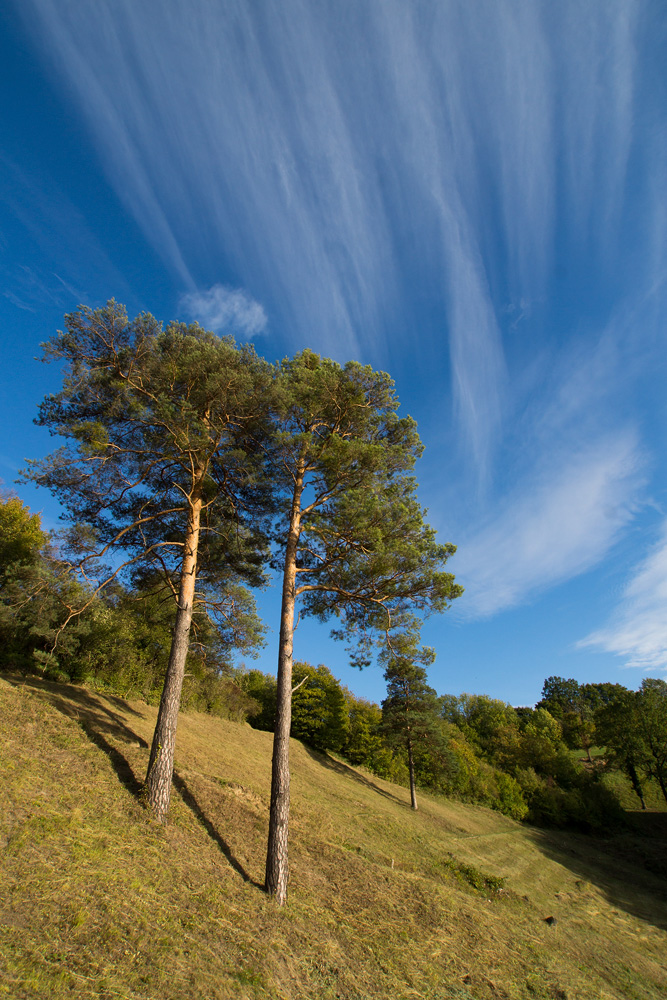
point(560, 763)
point(556, 764)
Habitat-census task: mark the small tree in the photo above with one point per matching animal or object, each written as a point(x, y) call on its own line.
point(160, 427)
point(410, 712)
point(351, 539)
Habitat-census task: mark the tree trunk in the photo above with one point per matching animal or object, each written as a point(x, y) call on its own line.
point(411, 768)
point(157, 787)
point(636, 783)
point(663, 787)
point(276, 855)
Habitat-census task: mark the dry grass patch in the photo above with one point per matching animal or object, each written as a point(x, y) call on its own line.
point(98, 901)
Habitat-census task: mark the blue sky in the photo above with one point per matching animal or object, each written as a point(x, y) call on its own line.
point(470, 196)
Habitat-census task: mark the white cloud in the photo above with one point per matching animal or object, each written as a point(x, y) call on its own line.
point(637, 630)
point(336, 159)
point(16, 301)
point(556, 524)
point(225, 310)
point(371, 168)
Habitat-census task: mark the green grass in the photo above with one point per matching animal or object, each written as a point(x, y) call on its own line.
point(98, 901)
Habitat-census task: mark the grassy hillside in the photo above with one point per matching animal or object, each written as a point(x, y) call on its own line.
point(98, 901)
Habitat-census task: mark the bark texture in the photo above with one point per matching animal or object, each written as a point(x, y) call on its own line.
point(277, 870)
point(157, 787)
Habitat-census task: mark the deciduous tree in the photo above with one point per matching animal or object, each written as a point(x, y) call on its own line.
point(652, 724)
point(618, 726)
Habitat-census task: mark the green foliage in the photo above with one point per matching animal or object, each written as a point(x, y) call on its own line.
point(36, 593)
point(518, 761)
point(261, 688)
point(410, 710)
point(589, 805)
point(21, 537)
point(365, 744)
point(120, 642)
point(652, 716)
point(488, 885)
point(319, 708)
point(363, 551)
point(575, 705)
point(157, 420)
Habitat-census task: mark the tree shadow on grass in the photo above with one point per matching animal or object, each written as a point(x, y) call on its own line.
point(119, 762)
point(84, 707)
point(191, 802)
point(100, 723)
point(628, 867)
point(349, 772)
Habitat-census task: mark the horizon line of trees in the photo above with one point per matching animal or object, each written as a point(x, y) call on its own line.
point(528, 763)
point(556, 764)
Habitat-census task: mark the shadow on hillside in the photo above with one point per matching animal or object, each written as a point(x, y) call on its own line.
point(349, 772)
point(191, 802)
point(628, 867)
point(84, 707)
point(99, 722)
point(96, 720)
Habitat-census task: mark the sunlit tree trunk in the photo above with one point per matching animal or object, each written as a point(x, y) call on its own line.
point(276, 859)
point(157, 788)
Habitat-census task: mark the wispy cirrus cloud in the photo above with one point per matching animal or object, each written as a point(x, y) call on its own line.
point(576, 473)
point(348, 158)
point(558, 523)
point(367, 169)
point(637, 629)
point(225, 310)
point(19, 303)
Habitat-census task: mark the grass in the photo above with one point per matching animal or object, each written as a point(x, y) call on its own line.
point(98, 901)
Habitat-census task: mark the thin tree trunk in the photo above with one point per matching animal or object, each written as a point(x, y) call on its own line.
point(276, 856)
point(411, 768)
point(663, 787)
point(157, 787)
point(636, 783)
point(657, 768)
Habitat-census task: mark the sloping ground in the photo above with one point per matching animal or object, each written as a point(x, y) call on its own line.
point(96, 900)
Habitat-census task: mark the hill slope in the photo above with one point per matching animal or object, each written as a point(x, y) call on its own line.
point(98, 901)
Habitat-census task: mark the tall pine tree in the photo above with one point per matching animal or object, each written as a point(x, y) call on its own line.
point(352, 541)
point(159, 467)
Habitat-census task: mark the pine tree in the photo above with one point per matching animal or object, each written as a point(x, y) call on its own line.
point(158, 472)
point(352, 541)
point(411, 710)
